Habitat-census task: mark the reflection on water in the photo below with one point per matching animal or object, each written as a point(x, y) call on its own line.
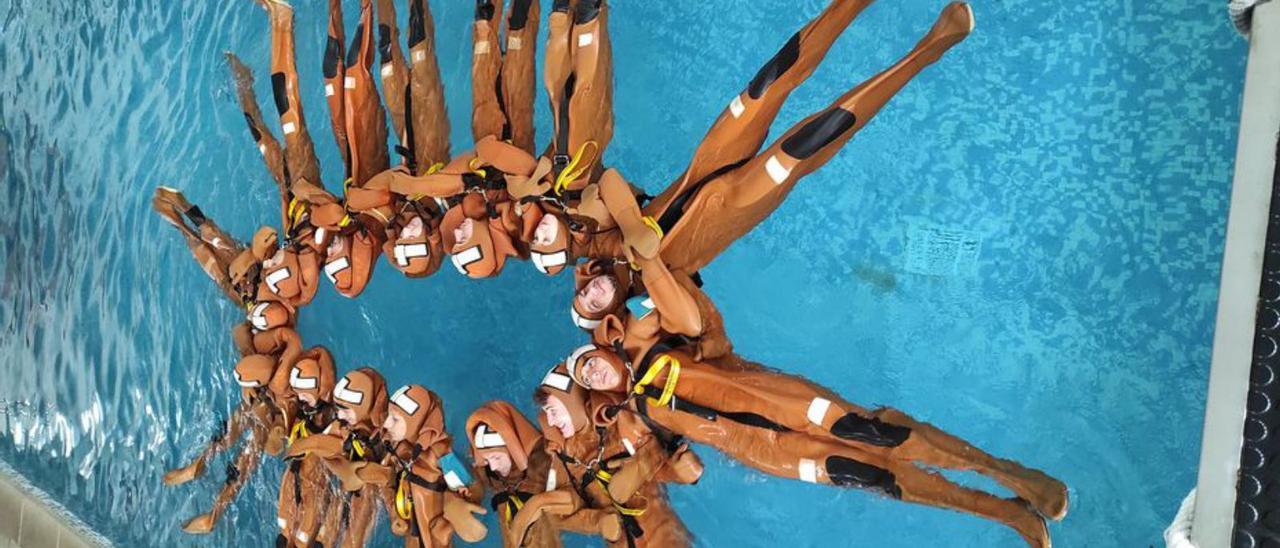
point(1086, 145)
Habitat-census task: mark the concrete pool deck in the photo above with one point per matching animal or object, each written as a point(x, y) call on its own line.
point(29, 520)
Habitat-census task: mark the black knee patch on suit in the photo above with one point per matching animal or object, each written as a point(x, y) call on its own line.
point(484, 10)
point(586, 11)
point(253, 128)
point(851, 473)
point(818, 133)
point(281, 92)
point(384, 43)
point(332, 54)
point(233, 473)
point(519, 14)
point(197, 217)
point(561, 6)
point(783, 60)
point(417, 23)
point(281, 540)
point(870, 430)
point(353, 53)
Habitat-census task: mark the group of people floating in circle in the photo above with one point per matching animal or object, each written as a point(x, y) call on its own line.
point(618, 415)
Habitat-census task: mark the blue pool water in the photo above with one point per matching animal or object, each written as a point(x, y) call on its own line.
point(1022, 248)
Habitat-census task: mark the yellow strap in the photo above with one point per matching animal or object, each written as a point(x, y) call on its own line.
point(474, 166)
point(357, 448)
point(299, 432)
point(669, 389)
point(404, 502)
point(633, 512)
point(652, 223)
point(604, 477)
point(346, 185)
point(506, 513)
point(346, 220)
point(577, 167)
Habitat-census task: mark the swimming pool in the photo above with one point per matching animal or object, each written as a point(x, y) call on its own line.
point(1023, 248)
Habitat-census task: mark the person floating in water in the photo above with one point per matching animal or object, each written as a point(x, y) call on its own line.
point(513, 466)
point(602, 464)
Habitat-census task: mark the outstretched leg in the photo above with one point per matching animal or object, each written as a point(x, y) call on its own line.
point(428, 116)
point(237, 474)
point(366, 120)
point(272, 153)
point(487, 115)
point(212, 248)
point(930, 488)
point(730, 205)
point(557, 67)
point(766, 180)
point(299, 151)
point(931, 446)
point(519, 79)
point(590, 116)
point(395, 74)
point(335, 70)
point(737, 134)
point(228, 434)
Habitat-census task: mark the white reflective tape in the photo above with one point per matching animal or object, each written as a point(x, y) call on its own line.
point(546, 261)
point(571, 363)
point(349, 82)
point(587, 39)
point(481, 48)
point(404, 402)
point(281, 522)
point(584, 323)
point(290, 128)
point(328, 90)
point(258, 317)
point(551, 480)
point(514, 43)
point(340, 392)
point(466, 257)
point(262, 149)
point(442, 203)
point(319, 237)
point(333, 268)
point(777, 171)
point(808, 470)
point(303, 537)
point(411, 251)
point(488, 439)
point(275, 277)
point(244, 383)
point(453, 481)
point(736, 108)
point(419, 56)
point(299, 382)
point(388, 69)
point(818, 410)
point(557, 381)
point(631, 449)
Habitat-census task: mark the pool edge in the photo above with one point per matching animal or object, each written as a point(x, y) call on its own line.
point(1241, 280)
point(32, 519)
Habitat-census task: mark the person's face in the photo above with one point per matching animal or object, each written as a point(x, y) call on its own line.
point(462, 233)
point(498, 460)
point(600, 375)
point(598, 294)
point(347, 416)
point(545, 233)
point(413, 229)
point(395, 426)
point(307, 398)
point(558, 416)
